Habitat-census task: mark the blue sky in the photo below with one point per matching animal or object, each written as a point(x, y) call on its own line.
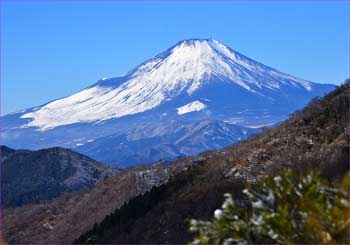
point(53, 49)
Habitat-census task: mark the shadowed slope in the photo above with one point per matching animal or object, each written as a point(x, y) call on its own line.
point(32, 176)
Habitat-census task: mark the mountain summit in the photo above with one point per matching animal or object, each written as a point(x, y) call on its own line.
point(194, 80)
point(183, 69)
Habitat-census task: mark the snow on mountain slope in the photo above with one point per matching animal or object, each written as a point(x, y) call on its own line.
point(197, 95)
point(182, 69)
point(193, 106)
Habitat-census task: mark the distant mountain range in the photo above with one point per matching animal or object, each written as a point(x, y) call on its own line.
point(195, 96)
point(32, 176)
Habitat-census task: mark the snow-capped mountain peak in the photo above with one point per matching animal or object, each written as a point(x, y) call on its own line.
point(190, 62)
point(197, 95)
point(183, 70)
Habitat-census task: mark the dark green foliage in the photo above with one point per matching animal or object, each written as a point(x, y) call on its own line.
point(154, 213)
point(290, 208)
point(123, 219)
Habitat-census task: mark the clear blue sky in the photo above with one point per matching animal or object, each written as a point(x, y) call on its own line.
point(53, 49)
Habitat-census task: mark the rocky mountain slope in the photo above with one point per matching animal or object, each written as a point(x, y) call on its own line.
point(193, 187)
point(195, 80)
point(316, 137)
point(148, 143)
point(32, 176)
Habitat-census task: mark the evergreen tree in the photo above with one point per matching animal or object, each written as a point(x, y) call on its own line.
point(289, 208)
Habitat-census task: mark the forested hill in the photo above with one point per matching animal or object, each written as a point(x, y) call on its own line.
point(33, 176)
point(316, 137)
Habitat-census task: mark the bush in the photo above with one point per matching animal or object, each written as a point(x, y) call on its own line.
point(289, 208)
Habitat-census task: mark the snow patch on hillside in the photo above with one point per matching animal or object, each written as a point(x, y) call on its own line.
point(190, 107)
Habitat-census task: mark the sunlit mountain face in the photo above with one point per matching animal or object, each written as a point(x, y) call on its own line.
point(197, 95)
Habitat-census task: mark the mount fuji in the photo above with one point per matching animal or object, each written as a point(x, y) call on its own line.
point(197, 95)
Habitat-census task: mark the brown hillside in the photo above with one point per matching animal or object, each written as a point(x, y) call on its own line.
point(316, 137)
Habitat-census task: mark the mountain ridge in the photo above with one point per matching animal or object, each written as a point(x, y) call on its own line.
point(33, 176)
